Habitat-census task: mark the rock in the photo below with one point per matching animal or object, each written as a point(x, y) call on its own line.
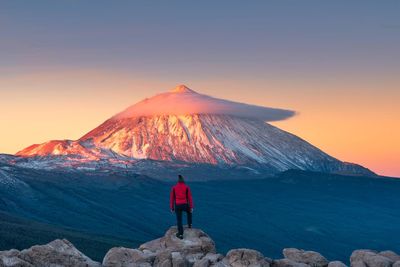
point(360, 254)
point(396, 264)
point(311, 258)
point(194, 245)
point(154, 245)
point(358, 264)
point(13, 261)
point(9, 253)
point(177, 260)
point(370, 258)
point(288, 263)
point(163, 259)
point(245, 257)
point(166, 251)
point(194, 241)
point(378, 261)
point(9, 258)
point(124, 257)
point(336, 264)
point(191, 259)
point(390, 254)
point(56, 253)
point(208, 260)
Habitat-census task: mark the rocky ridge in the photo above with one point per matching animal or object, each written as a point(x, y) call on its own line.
point(196, 249)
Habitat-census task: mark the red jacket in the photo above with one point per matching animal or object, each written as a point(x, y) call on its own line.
point(180, 194)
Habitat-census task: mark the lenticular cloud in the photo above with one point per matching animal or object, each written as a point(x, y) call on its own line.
point(184, 101)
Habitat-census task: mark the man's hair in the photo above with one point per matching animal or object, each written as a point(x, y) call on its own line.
point(180, 178)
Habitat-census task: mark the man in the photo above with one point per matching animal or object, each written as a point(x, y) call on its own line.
point(181, 200)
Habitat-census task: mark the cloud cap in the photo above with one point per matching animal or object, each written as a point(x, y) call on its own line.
point(184, 101)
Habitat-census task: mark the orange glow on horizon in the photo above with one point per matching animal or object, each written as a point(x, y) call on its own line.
point(351, 121)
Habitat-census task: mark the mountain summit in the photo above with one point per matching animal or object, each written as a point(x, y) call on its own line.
point(184, 126)
point(184, 101)
point(182, 89)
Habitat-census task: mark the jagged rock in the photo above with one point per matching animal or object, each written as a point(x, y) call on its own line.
point(194, 241)
point(154, 245)
point(177, 259)
point(163, 259)
point(191, 259)
point(358, 264)
point(9, 258)
point(390, 254)
point(124, 257)
point(288, 263)
point(370, 258)
point(56, 253)
point(311, 258)
point(165, 251)
point(196, 249)
point(336, 264)
point(360, 254)
point(245, 257)
point(208, 260)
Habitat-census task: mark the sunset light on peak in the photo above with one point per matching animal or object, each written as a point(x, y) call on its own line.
point(339, 81)
point(200, 133)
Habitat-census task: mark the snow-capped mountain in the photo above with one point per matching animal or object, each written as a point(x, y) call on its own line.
point(184, 126)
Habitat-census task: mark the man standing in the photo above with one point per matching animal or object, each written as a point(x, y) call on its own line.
point(181, 200)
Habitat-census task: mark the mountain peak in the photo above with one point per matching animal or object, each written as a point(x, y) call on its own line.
point(182, 89)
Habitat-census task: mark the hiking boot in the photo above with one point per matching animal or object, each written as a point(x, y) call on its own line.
point(190, 226)
point(179, 236)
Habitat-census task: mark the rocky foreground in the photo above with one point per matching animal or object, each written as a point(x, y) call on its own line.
point(196, 249)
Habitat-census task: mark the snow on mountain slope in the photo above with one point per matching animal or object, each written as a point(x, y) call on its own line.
point(202, 130)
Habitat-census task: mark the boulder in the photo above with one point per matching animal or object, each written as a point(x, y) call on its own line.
point(194, 241)
point(56, 253)
point(287, 263)
point(336, 264)
point(390, 254)
point(13, 261)
point(311, 258)
point(9, 258)
point(396, 264)
point(369, 258)
point(208, 260)
point(245, 257)
point(177, 259)
point(166, 251)
point(163, 259)
point(124, 257)
point(191, 259)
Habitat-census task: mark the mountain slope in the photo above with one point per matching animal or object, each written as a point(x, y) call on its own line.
point(225, 134)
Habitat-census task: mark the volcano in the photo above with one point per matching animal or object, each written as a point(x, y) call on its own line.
point(182, 125)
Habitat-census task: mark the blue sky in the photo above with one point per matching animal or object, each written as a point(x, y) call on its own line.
point(205, 37)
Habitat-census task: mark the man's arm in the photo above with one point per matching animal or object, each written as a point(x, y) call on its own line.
point(190, 198)
point(171, 199)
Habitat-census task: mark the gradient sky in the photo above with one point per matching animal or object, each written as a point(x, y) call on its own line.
point(66, 66)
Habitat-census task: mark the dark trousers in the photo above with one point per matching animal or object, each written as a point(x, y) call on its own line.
point(178, 210)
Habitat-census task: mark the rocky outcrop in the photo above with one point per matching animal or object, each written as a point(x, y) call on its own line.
point(54, 254)
point(369, 258)
point(246, 257)
point(196, 249)
point(311, 258)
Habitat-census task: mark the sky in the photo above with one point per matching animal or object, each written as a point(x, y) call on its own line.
point(66, 66)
